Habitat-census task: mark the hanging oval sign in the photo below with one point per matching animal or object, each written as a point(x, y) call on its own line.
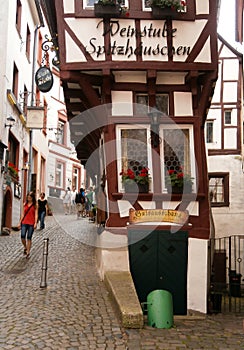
point(44, 79)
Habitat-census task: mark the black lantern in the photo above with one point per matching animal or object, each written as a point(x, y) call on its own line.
point(155, 117)
point(11, 121)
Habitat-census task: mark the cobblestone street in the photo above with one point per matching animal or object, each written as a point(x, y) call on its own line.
point(75, 311)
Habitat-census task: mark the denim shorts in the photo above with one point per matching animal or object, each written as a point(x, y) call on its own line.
point(27, 231)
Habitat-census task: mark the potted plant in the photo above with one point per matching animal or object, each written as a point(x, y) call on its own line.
point(13, 171)
point(178, 182)
point(167, 8)
point(108, 8)
point(136, 181)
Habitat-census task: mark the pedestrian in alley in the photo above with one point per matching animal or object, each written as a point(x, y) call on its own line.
point(28, 222)
point(73, 204)
point(67, 201)
point(42, 210)
point(80, 202)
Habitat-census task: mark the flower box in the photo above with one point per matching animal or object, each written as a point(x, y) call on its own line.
point(178, 182)
point(107, 11)
point(136, 181)
point(179, 190)
point(166, 12)
point(136, 188)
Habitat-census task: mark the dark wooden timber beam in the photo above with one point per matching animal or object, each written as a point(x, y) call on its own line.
point(206, 95)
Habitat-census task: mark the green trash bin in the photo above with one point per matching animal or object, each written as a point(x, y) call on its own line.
point(160, 309)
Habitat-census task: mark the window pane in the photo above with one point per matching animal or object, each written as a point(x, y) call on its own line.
point(162, 103)
point(147, 4)
point(90, 2)
point(216, 189)
point(209, 132)
point(60, 133)
point(142, 104)
point(227, 117)
point(59, 172)
point(134, 149)
point(177, 150)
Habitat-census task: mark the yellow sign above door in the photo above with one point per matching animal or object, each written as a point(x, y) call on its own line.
point(158, 215)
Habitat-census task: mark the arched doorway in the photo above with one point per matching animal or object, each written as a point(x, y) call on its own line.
point(7, 208)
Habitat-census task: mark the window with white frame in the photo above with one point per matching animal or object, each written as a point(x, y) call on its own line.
point(209, 132)
point(59, 174)
point(133, 149)
point(177, 150)
point(146, 5)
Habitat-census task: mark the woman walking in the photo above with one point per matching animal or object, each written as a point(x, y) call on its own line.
point(42, 210)
point(67, 201)
point(28, 222)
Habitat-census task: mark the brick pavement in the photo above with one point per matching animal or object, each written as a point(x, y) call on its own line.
point(74, 311)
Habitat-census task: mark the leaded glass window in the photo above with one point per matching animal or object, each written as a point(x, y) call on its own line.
point(177, 150)
point(134, 149)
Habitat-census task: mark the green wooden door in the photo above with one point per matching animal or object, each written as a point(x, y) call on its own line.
point(159, 261)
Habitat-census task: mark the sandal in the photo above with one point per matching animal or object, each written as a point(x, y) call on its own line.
point(25, 251)
point(27, 255)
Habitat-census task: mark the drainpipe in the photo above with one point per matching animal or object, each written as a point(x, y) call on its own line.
point(33, 90)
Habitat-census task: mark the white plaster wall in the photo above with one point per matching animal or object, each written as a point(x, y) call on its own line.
point(197, 275)
point(217, 91)
point(95, 31)
point(183, 104)
point(130, 77)
point(202, 7)
point(122, 103)
point(184, 36)
point(229, 92)
point(230, 138)
point(215, 115)
point(229, 220)
point(69, 6)
point(129, 42)
point(230, 69)
point(171, 78)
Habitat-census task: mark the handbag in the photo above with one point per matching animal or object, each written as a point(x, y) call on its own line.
point(16, 228)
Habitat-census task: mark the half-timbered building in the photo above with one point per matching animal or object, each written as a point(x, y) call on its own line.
point(138, 85)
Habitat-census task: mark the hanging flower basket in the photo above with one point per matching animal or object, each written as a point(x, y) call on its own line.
point(107, 11)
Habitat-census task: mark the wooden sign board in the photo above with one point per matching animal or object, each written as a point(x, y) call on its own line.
point(158, 215)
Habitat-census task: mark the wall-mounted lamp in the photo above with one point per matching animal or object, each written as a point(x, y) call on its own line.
point(11, 121)
point(155, 116)
point(2, 148)
point(26, 166)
